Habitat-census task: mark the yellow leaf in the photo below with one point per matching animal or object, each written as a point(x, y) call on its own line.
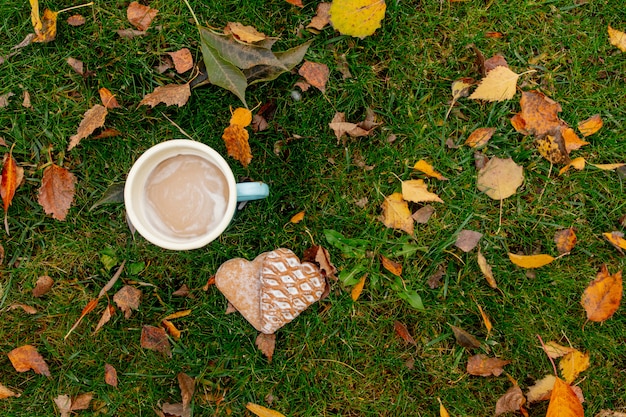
point(500, 178)
point(564, 402)
point(603, 296)
point(171, 329)
point(34, 16)
point(236, 140)
point(417, 191)
point(591, 125)
point(498, 85)
point(485, 268)
point(541, 389)
point(359, 18)
point(297, 218)
point(576, 163)
point(396, 213)
point(608, 167)
point(177, 315)
point(617, 39)
point(241, 117)
point(391, 266)
point(572, 364)
point(616, 239)
point(247, 34)
point(428, 169)
point(554, 350)
point(571, 141)
point(552, 147)
point(480, 137)
point(46, 29)
point(530, 261)
point(358, 288)
point(261, 411)
point(442, 410)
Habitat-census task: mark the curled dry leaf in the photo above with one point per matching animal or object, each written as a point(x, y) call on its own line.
point(266, 343)
point(530, 261)
point(359, 18)
point(297, 218)
point(617, 38)
point(616, 239)
point(485, 268)
point(183, 61)
point(500, 178)
point(6, 392)
point(396, 213)
point(603, 296)
point(572, 364)
point(128, 299)
point(479, 137)
point(564, 402)
point(486, 319)
point(92, 119)
point(26, 308)
point(108, 99)
point(467, 240)
point(42, 286)
point(25, 358)
point(481, 365)
point(106, 316)
point(315, 74)
point(12, 175)
point(56, 193)
point(417, 192)
point(171, 329)
point(512, 400)
point(576, 163)
point(428, 169)
point(4, 99)
point(319, 256)
point(591, 125)
point(187, 386)
point(170, 94)
point(391, 266)
point(140, 16)
point(464, 338)
point(155, 338)
point(110, 375)
point(498, 85)
point(76, 65)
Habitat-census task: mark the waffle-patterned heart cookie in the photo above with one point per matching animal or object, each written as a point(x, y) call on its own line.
point(288, 287)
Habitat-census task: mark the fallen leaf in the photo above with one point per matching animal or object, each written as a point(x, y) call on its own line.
point(486, 319)
point(576, 163)
point(187, 386)
point(321, 18)
point(92, 119)
point(541, 389)
point(175, 410)
point(467, 240)
point(177, 315)
point(315, 74)
point(602, 297)
point(391, 266)
point(555, 350)
point(108, 99)
point(572, 364)
point(341, 127)
point(140, 16)
point(64, 404)
point(512, 400)
point(481, 365)
point(297, 218)
point(27, 309)
point(236, 139)
point(57, 191)
point(12, 175)
point(564, 402)
point(319, 256)
point(530, 261)
point(110, 375)
point(183, 291)
point(77, 65)
point(295, 2)
point(6, 393)
point(496, 35)
point(571, 141)
point(610, 413)
point(417, 192)
point(434, 281)
point(170, 94)
point(539, 113)
point(81, 401)
point(498, 85)
point(396, 213)
point(552, 147)
point(183, 61)
point(565, 240)
point(479, 137)
point(500, 178)
point(106, 316)
point(171, 329)
point(464, 338)
point(485, 268)
point(131, 33)
point(617, 38)
point(86, 310)
point(616, 239)
point(428, 169)
point(45, 27)
point(25, 358)
point(358, 288)
point(460, 88)
point(359, 18)
point(442, 410)
point(128, 299)
point(26, 102)
point(261, 411)
point(608, 167)
point(423, 215)
point(4, 99)
point(155, 338)
point(266, 343)
point(76, 20)
point(497, 60)
point(403, 332)
point(247, 34)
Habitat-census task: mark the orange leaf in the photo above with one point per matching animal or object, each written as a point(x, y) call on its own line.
point(571, 141)
point(391, 266)
point(396, 213)
point(106, 316)
point(236, 140)
point(539, 113)
point(403, 332)
point(171, 329)
point(241, 117)
point(485, 318)
point(108, 99)
point(183, 61)
point(315, 74)
point(565, 240)
point(177, 315)
point(564, 402)
point(616, 239)
point(6, 393)
point(480, 137)
point(140, 16)
point(485, 268)
point(11, 177)
point(25, 358)
point(603, 296)
point(576, 163)
point(295, 2)
point(428, 169)
point(358, 288)
point(530, 261)
point(46, 26)
point(297, 218)
point(591, 125)
point(110, 375)
point(92, 119)
point(86, 310)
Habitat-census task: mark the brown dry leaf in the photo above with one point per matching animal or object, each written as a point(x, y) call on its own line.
point(108, 99)
point(555, 350)
point(591, 125)
point(4, 99)
point(171, 329)
point(81, 401)
point(92, 119)
point(128, 299)
point(319, 256)
point(183, 291)
point(315, 74)
point(266, 343)
point(140, 16)
point(247, 34)
point(481, 365)
point(187, 386)
point(610, 413)
point(512, 400)
point(236, 139)
point(259, 410)
point(565, 240)
point(572, 364)
point(498, 85)
point(42, 286)
point(57, 191)
point(423, 215)
point(170, 94)
point(603, 296)
point(428, 169)
point(616, 239)
point(107, 133)
point(6, 393)
point(403, 332)
point(564, 402)
point(617, 38)
point(322, 17)
point(396, 213)
point(530, 261)
point(464, 338)
point(64, 404)
point(341, 127)
point(155, 338)
point(497, 60)
point(576, 163)
point(26, 102)
point(479, 137)
point(496, 35)
point(297, 218)
point(25, 358)
point(417, 192)
point(110, 375)
point(500, 178)
point(26, 308)
point(106, 316)
point(539, 113)
point(467, 240)
point(391, 266)
point(177, 409)
point(86, 310)
point(76, 20)
point(485, 268)
point(76, 65)
point(183, 61)
point(358, 288)
point(131, 33)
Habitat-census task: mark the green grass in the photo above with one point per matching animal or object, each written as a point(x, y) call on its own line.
point(339, 358)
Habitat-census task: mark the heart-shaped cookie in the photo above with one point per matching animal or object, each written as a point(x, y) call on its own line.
point(240, 282)
point(288, 287)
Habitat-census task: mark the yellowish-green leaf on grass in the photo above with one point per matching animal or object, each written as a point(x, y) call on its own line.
point(359, 18)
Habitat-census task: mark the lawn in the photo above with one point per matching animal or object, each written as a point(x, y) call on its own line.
point(340, 357)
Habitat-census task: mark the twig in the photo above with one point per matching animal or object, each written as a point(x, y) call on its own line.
point(192, 13)
point(543, 346)
point(76, 7)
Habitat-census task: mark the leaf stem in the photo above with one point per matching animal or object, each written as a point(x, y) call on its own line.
point(192, 12)
point(543, 346)
point(76, 7)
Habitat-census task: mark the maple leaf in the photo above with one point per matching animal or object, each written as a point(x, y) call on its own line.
point(481, 365)
point(155, 338)
point(591, 125)
point(539, 114)
point(25, 358)
point(617, 38)
point(183, 61)
point(498, 85)
point(92, 119)
point(572, 364)
point(485, 268)
point(170, 94)
point(417, 191)
point(128, 299)
point(396, 213)
point(565, 240)
point(530, 261)
point(500, 178)
point(110, 375)
point(428, 169)
point(315, 74)
point(247, 34)
point(602, 297)
point(57, 191)
point(479, 137)
point(467, 240)
point(108, 99)
point(564, 402)
point(140, 16)
point(358, 18)
point(266, 343)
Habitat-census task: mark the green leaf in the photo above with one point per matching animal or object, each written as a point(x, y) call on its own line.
point(113, 194)
point(349, 247)
point(108, 258)
point(407, 249)
point(224, 74)
point(136, 267)
point(413, 298)
point(289, 58)
point(352, 276)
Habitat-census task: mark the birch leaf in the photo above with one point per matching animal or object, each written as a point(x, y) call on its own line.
point(499, 85)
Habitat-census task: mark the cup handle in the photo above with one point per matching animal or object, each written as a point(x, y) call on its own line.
point(247, 191)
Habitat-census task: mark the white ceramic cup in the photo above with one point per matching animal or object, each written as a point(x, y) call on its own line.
point(136, 202)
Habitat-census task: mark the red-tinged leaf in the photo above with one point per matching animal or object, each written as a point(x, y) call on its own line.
point(155, 338)
point(108, 99)
point(187, 386)
point(481, 365)
point(391, 266)
point(110, 375)
point(564, 402)
point(10, 180)
point(81, 401)
point(88, 308)
point(25, 358)
point(266, 343)
point(403, 332)
point(603, 296)
point(57, 191)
